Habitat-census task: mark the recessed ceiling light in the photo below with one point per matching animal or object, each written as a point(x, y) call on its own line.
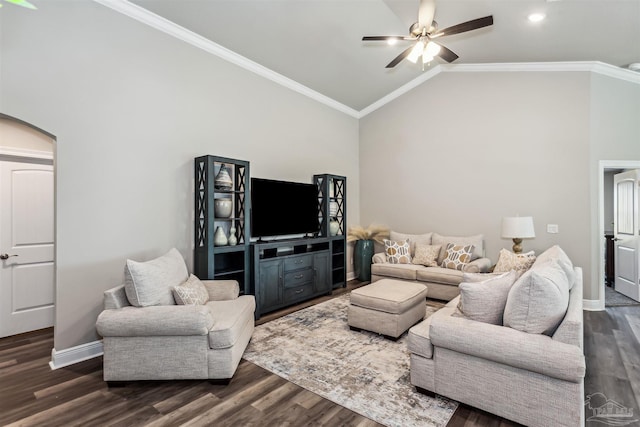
point(536, 17)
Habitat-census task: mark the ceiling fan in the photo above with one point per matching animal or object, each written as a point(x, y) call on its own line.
point(425, 31)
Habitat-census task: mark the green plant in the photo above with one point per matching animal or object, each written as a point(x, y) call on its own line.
point(372, 232)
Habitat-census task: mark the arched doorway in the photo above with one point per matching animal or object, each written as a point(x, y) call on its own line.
point(27, 227)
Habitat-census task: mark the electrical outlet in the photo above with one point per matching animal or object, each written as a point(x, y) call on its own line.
point(552, 228)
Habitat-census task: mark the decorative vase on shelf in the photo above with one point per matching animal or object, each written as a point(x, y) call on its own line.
point(223, 181)
point(362, 256)
point(219, 238)
point(333, 208)
point(222, 208)
point(233, 240)
point(334, 227)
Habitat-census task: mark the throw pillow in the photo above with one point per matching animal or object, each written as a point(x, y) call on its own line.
point(538, 301)
point(151, 283)
point(485, 301)
point(457, 256)
point(555, 253)
point(426, 255)
point(508, 261)
point(413, 239)
point(477, 241)
point(191, 292)
point(397, 252)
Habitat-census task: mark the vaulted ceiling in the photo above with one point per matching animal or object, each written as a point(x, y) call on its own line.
point(318, 43)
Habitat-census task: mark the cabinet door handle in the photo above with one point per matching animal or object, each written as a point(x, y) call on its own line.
point(299, 276)
point(299, 291)
point(298, 261)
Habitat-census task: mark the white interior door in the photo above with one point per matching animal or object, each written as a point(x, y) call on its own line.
point(627, 255)
point(26, 247)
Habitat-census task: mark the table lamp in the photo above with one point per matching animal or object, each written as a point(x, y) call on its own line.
point(518, 228)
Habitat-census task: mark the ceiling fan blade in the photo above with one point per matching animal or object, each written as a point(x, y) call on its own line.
point(465, 26)
point(447, 54)
point(400, 57)
point(426, 12)
point(376, 38)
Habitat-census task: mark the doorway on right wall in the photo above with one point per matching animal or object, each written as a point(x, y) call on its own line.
point(622, 237)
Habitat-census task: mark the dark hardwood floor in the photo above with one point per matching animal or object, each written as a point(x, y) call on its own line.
point(33, 395)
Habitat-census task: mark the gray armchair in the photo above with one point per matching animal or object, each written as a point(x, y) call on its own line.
point(164, 342)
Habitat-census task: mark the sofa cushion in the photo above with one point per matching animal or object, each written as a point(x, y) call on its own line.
point(191, 292)
point(397, 251)
point(484, 301)
point(151, 283)
point(458, 256)
point(398, 271)
point(446, 276)
point(413, 239)
point(229, 319)
point(477, 241)
point(508, 261)
point(426, 255)
point(418, 341)
point(538, 301)
point(555, 253)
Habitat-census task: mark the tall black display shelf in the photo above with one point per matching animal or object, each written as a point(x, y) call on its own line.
point(332, 217)
point(225, 261)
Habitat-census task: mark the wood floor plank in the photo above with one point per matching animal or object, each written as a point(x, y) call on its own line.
point(185, 412)
point(306, 399)
point(273, 398)
point(240, 400)
point(631, 365)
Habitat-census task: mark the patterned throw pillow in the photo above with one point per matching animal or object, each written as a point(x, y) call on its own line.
point(457, 256)
point(397, 252)
point(191, 292)
point(426, 255)
point(508, 261)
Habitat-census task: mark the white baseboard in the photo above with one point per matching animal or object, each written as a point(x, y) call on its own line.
point(351, 276)
point(73, 355)
point(592, 305)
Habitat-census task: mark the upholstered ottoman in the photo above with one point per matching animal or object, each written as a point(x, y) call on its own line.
point(388, 307)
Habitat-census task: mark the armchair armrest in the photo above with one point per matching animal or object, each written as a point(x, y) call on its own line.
point(480, 265)
point(158, 320)
point(222, 290)
point(379, 258)
point(533, 352)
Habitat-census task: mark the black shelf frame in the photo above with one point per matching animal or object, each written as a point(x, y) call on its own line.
point(222, 262)
point(332, 189)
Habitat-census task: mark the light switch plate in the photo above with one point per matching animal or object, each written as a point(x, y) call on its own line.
point(552, 228)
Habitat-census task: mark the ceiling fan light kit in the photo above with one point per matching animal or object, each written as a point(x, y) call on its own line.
point(422, 33)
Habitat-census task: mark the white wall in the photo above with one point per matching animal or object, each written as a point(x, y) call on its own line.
point(131, 107)
point(463, 150)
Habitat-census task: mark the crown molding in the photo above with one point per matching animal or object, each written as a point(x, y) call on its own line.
point(593, 67)
point(149, 18)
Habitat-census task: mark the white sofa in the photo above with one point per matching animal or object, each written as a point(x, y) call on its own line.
point(534, 378)
point(441, 282)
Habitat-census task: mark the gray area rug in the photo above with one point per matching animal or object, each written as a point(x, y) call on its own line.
point(362, 371)
point(616, 299)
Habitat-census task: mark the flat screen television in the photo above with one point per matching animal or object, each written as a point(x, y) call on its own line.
point(282, 208)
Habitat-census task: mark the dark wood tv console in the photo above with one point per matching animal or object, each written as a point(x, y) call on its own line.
point(287, 272)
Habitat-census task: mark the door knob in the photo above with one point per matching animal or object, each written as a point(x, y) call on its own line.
point(6, 256)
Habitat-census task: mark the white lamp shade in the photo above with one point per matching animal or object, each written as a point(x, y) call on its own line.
point(518, 227)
